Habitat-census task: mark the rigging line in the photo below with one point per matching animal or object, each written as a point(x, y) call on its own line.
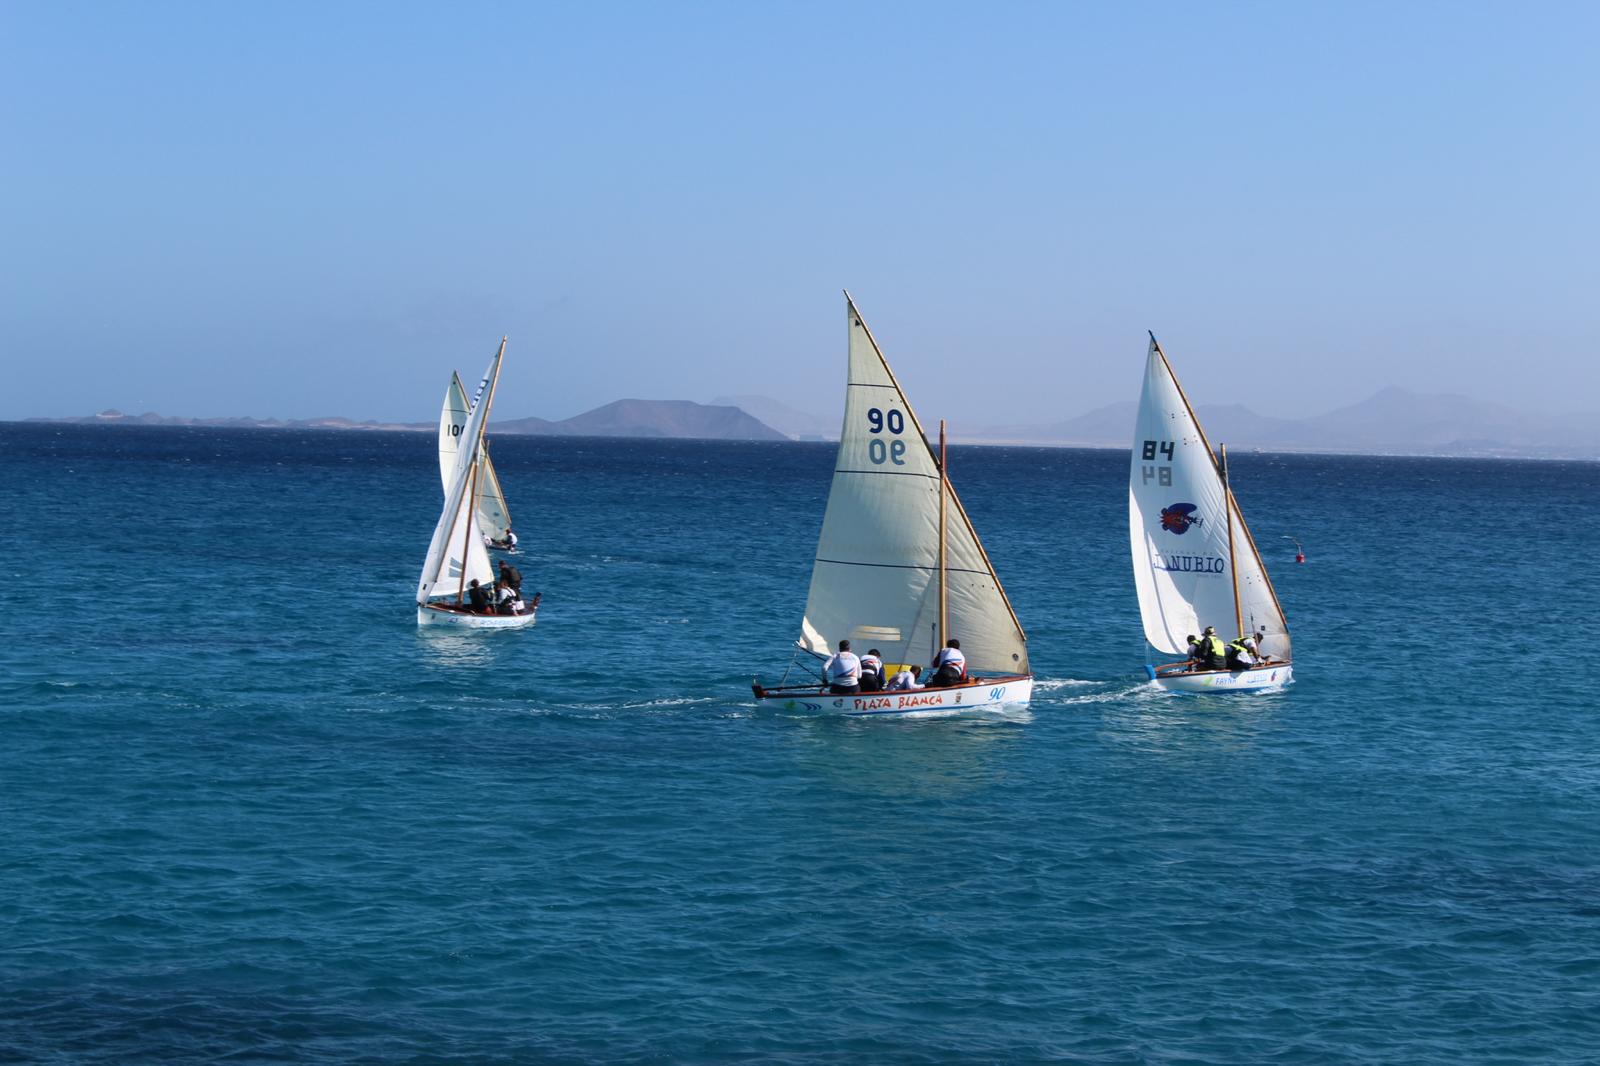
point(897, 473)
point(904, 566)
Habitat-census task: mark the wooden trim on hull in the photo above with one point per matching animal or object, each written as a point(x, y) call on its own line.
point(975, 694)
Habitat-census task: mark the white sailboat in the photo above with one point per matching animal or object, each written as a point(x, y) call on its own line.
point(494, 517)
point(898, 565)
point(456, 555)
point(1194, 561)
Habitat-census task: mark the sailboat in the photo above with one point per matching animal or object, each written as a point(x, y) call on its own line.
point(494, 517)
point(899, 566)
point(1194, 561)
point(456, 555)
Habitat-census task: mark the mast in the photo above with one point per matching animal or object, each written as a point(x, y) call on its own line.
point(944, 479)
point(1233, 571)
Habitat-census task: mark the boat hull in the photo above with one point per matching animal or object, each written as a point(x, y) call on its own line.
point(438, 615)
point(1275, 675)
point(980, 694)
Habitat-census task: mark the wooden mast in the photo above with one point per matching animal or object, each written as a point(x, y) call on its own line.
point(944, 479)
point(1233, 571)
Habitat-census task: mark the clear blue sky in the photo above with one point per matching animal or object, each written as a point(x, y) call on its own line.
point(297, 209)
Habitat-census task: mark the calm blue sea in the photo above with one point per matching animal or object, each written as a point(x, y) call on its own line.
point(248, 812)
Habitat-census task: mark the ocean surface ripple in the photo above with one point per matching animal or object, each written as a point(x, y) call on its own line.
point(250, 812)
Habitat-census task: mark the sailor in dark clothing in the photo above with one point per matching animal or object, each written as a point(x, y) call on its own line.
point(479, 598)
point(510, 575)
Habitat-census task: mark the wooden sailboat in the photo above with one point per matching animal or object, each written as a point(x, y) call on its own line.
point(899, 566)
point(1195, 563)
point(456, 555)
point(494, 517)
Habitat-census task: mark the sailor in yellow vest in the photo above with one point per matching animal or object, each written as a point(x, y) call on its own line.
point(1242, 654)
point(1216, 651)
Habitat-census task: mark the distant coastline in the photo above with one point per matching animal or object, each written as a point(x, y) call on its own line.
point(1391, 422)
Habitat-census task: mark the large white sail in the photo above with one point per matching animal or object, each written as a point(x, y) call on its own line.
point(494, 517)
point(1179, 513)
point(452, 423)
point(456, 554)
point(876, 576)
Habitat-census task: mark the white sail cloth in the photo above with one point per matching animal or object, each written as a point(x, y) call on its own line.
point(1178, 520)
point(876, 576)
point(494, 517)
point(456, 553)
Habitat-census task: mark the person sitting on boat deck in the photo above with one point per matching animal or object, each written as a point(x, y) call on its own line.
point(504, 597)
point(1197, 651)
point(1216, 651)
point(872, 671)
point(509, 542)
point(479, 598)
point(843, 671)
point(905, 680)
point(510, 575)
point(949, 666)
point(1261, 642)
point(1241, 654)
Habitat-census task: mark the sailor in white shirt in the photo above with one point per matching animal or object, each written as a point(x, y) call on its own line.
point(872, 671)
point(949, 666)
point(905, 681)
point(843, 671)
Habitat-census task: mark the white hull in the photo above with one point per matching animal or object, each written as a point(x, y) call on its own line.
point(956, 698)
point(431, 615)
point(1275, 675)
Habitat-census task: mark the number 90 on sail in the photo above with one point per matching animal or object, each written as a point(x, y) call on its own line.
point(879, 451)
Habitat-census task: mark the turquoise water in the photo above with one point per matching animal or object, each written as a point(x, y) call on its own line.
point(249, 811)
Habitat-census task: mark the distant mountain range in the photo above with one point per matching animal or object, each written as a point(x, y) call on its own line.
point(799, 425)
point(624, 418)
point(1391, 422)
point(650, 418)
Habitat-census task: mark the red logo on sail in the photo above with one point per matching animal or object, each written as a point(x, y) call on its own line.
point(1179, 517)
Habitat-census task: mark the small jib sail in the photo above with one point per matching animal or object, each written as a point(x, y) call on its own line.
point(494, 517)
point(456, 554)
point(1194, 561)
point(884, 577)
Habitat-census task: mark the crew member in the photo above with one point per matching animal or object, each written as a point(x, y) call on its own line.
point(872, 671)
point(843, 671)
point(479, 598)
point(949, 666)
point(511, 576)
point(1241, 654)
point(1216, 651)
point(905, 680)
